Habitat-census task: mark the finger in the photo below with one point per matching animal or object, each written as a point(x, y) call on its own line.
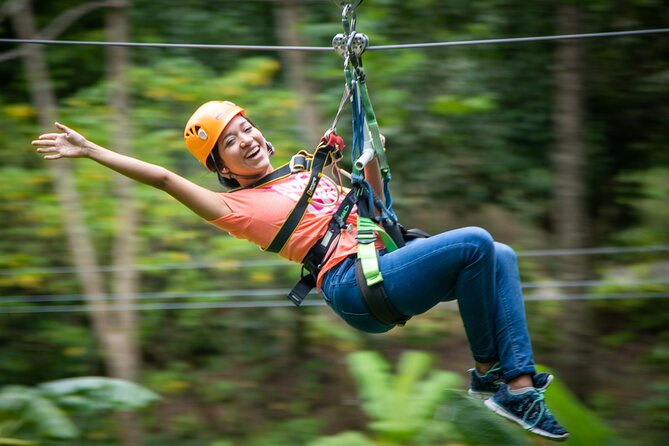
point(50, 135)
point(44, 142)
point(46, 150)
point(63, 127)
point(55, 156)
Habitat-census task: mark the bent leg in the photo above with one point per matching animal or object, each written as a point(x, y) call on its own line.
point(455, 263)
point(511, 334)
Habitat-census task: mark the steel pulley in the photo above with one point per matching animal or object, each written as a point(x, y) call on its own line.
point(342, 3)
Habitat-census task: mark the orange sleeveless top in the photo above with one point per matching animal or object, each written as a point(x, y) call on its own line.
point(257, 214)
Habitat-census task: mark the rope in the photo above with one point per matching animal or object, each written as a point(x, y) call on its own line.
point(281, 292)
point(286, 304)
point(169, 45)
point(521, 39)
point(327, 48)
point(593, 251)
point(233, 264)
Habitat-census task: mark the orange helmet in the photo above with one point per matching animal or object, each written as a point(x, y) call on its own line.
point(206, 125)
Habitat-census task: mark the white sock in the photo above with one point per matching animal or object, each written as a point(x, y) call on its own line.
point(520, 391)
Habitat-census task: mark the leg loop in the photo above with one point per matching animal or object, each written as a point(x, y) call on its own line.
point(377, 301)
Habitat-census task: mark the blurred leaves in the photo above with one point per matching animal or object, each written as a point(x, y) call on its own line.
point(94, 394)
point(470, 139)
point(44, 412)
point(584, 426)
point(27, 408)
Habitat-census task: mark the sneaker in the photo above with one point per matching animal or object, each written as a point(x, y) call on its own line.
point(541, 381)
point(484, 386)
point(529, 410)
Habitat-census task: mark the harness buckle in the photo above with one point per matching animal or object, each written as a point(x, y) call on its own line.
point(365, 236)
point(298, 163)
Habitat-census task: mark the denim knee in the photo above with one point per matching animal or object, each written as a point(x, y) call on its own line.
point(480, 238)
point(505, 253)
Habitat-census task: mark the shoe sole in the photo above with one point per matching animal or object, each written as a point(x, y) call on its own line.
point(479, 395)
point(499, 410)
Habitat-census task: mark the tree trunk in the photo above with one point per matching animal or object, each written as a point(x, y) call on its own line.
point(288, 16)
point(114, 330)
point(78, 238)
point(125, 280)
point(571, 220)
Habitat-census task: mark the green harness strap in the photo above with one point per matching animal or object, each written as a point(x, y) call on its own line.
point(367, 254)
point(373, 125)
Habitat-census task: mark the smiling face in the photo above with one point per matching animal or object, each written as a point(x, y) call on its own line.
point(243, 150)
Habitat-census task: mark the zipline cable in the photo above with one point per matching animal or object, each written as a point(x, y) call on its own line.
point(235, 264)
point(327, 48)
point(286, 304)
point(521, 39)
point(267, 292)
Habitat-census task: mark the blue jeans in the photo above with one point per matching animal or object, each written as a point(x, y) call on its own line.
point(464, 264)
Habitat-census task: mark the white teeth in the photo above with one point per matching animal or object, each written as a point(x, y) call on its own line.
point(253, 153)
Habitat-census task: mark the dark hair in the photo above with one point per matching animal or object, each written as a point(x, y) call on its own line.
point(215, 163)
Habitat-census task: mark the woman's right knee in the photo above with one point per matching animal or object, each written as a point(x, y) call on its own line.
point(480, 239)
point(479, 236)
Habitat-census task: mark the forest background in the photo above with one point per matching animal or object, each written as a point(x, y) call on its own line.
point(558, 148)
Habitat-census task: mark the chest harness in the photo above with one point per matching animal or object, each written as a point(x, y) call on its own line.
point(375, 216)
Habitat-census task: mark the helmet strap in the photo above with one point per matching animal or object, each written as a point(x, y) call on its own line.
point(231, 175)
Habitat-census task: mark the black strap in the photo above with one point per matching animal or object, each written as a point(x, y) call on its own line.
point(302, 288)
point(295, 217)
point(277, 174)
point(313, 261)
point(377, 301)
point(301, 161)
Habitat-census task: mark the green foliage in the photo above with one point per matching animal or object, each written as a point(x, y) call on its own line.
point(648, 202)
point(469, 130)
point(399, 404)
point(44, 412)
point(26, 409)
point(656, 408)
point(95, 394)
point(584, 426)
point(344, 439)
point(416, 405)
point(476, 425)
point(16, 442)
point(289, 433)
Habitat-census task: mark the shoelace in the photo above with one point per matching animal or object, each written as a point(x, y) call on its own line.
point(542, 406)
point(496, 368)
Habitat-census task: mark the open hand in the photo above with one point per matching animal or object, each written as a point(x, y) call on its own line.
point(68, 144)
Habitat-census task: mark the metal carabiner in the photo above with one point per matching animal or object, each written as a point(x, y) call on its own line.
point(348, 19)
point(343, 3)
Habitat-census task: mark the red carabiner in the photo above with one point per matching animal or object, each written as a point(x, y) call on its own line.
point(332, 139)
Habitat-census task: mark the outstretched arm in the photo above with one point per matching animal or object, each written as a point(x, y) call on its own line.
point(70, 144)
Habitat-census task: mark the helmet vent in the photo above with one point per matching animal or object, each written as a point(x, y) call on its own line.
point(202, 134)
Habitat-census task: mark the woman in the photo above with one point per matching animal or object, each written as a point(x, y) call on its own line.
point(464, 264)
